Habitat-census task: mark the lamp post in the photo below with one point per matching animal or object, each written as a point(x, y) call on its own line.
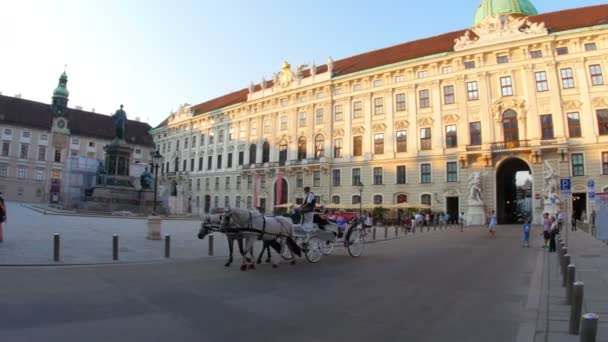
point(360, 185)
point(157, 159)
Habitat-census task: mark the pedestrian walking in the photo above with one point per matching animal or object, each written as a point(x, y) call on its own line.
point(573, 223)
point(461, 219)
point(546, 229)
point(2, 218)
point(492, 225)
point(552, 235)
point(526, 240)
point(560, 220)
point(368, 221)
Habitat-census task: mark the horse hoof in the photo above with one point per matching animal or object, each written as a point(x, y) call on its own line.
point(227, 264)
point(293, 262)
point(243, 267)
point(252, 266)
point(259, 262)
point(275, 266)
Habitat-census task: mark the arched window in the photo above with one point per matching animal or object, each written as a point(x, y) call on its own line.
point(377, 199)
point(282, 152)
point(509, 126)
point(335, 199)
point(402, 198)
point(176, 164)
point(319, 146)
point(356, 199)
point(425, 199)
point(301, 148)
point(265, 152)
point(252, 152)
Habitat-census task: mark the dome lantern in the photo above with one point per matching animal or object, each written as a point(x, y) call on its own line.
point(492, 8)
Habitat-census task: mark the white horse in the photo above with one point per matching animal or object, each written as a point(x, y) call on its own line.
point(254, 226)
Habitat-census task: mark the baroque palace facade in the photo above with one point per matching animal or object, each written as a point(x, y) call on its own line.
point(45, 147)
point(445, 121)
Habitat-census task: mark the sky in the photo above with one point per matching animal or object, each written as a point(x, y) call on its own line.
point(154, 55)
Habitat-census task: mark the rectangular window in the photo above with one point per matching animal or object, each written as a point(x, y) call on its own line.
point(206, 183)
point(574, 125)
point(242, 132)
point(502, 59)
point(425, 173)
point(425, 138)
point(219, 161)
point(377, 176)
point(185, 142)
point(198, 184)
point(469, 64)
point(227, 185)
point(378, 106)
point(316, 178)
point(262, 181)
point(451, 136)
point(220, 136)
point(194, 141)
point(401, 174)
point(379, 143)
point(578, 164)
point(424, 99)
point(319, 116)
point(266, 127)
point(249, 182)
point(590, 47)
point(452, 172)
point(446, 69)
point(299, 180)
point(283, 102)
point(596, 74)
point(254, 128)
point(209, 162)
point(472, 91)
point(356, 177)
point(241, 157)
point(541, 81)
point(448, 95)
point(337, 148)
point(211, 138)
point(562, 50)
point(57, 156)
point(401, 141)
point(475, 133)
point(283, 122)
point(536, 54)
point(41, 153)
point(602, 121)
point(249, 202)
point(399, 79)
point(335, 177)
point(546, 126)
point(237, 202)
point(400, 102)
point(302, 119)
point(605, 163)
point(229, 160)
point(358, 146)
point(377, 83)
point(24, 149)
point(422, 74)
point(337, 91)
point(506, 86)
point(238, 182)
point(226, 201)
point(200, 163)
point(338, 113)
point(21, 172)
point(357, 87)
point(192, 165)
point(177, 145)
point(357, 109)
point(39, 176)
point(567, 78)
point(185, 165)
point(3, 170)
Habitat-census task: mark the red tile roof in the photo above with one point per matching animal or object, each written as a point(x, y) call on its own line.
point(554, 21)
point(39, 115)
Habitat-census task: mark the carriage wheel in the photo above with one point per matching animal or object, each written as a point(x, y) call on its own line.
point(356, 242)
point(314, 249)
point(327, 247)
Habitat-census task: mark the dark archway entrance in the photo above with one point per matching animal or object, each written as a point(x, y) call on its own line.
point(513, 192)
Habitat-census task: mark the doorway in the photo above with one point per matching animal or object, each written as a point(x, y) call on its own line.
point(579, 205)
point(207, 203)
point(513, 192)
point(452, 208)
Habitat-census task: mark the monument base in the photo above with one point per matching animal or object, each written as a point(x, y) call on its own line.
point(108, 198)
point(154, 223)
point(476, 215)
point(550, 208)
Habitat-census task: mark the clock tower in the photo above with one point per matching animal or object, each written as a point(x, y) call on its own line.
point(60, 106)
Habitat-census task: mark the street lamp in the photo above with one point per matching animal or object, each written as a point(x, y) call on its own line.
point(157, 158)
point(360, 185)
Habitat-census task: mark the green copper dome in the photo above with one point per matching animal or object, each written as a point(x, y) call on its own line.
point(491, 8)
point(62, 90)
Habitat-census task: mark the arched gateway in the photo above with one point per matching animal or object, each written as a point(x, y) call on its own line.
point(513, 191)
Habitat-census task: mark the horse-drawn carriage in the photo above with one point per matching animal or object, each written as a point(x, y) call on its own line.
point(313, 237)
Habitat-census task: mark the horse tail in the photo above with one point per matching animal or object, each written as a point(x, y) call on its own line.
point(293, 246)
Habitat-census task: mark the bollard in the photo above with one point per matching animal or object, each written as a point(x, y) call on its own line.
point(386, 232)
point(115, 247)
point(210, 250)
point(56, 246)
point(565, 274)
point(396, 231)
point(577, 307)
point(570, 277)
point(374, 233)
point(589, 327)
point(428, 228)
point(561, 261)
point(167, 246)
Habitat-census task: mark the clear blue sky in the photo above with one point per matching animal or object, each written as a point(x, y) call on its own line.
point(152, 56)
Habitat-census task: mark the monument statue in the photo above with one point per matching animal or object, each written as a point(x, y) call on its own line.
point(551, 182)
point(330, 66)
point(475, 189)
point(120, 123)
point(146, 180)
point(100, 175)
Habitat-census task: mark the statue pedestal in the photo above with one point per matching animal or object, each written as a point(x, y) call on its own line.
point(154, 223)
point(476, 215)
point(550, 208)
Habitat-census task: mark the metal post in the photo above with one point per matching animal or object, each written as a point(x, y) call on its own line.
point(577, 307)
point(374, 233)
point(167, 246)
point(561, 261)
point(396, 231)
point(386, 232)
point(571, 275)
point(115, 247)
point(565, 274)
point(56, 246)
point(589, 327)
point(155, 186)
point(210, 245)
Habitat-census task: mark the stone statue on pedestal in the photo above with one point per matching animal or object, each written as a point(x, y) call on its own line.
point(551, 183)
point(475, 189)
point(146, 180)
point(100, 175)
point(120, 123)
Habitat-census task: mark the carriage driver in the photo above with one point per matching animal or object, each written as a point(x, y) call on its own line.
point(308, 207)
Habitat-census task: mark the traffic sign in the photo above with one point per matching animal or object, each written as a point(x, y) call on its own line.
point(591, 184)
point(591, 194)
point(537, 196)
point(564, 184)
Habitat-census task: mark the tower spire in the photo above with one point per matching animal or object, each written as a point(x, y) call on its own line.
point(61, 95)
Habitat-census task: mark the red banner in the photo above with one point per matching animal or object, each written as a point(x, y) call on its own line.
point(255, 191)
point(279, 194)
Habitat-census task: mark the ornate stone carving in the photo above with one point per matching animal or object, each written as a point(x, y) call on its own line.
point(475, 188)
point(358, 130)
point(500, 106)
point(500, 28)
point(451, 118)
point(425, 122)
point(570, 105)
point(600, 101)
point(283, 79)
point(338, 132)
point(401, 124)
point(380, 127)
point(551, 183)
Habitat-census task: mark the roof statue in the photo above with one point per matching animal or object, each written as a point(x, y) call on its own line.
point(300, 71)
point(313, 69)
point(263, 83)
point(251, 87)
point(120, 123)
point(330, 66)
